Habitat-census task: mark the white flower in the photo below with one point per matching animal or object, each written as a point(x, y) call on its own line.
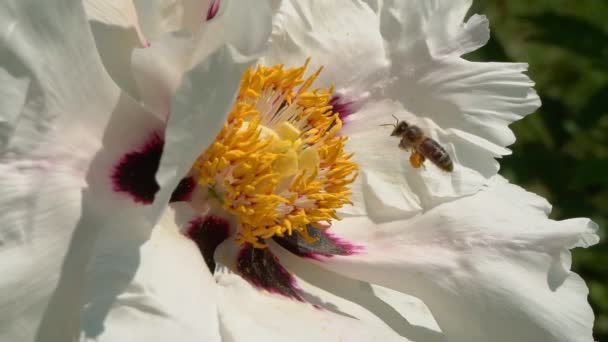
point(90, 249)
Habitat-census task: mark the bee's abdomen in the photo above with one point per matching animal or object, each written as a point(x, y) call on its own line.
point(436, 154)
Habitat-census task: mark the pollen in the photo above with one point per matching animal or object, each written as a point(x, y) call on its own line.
point(279, 165)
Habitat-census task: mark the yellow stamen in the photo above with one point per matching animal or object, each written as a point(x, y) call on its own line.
point(278, 164)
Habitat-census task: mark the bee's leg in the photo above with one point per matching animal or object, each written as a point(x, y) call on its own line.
point(417, 160)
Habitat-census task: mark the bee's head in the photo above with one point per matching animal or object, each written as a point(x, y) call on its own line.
point(400, 128)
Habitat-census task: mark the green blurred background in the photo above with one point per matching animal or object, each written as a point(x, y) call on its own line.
point(561, 151)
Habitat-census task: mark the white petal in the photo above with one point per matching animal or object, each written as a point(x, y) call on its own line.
point(115, 13)
point(436, 25)
point(159, 17)
point(165, 294)
point(247, 313)
point(37, 100)
point(490, 266)
point(342, 36)
point(421, 323)
point(13, 97)
point(39, 212)
point(118, 28)
point(115, 26)
point(177, 37)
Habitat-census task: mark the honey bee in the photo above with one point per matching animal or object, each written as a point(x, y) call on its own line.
point(422, 147)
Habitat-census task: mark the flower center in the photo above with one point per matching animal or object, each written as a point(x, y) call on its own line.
point(278, 165)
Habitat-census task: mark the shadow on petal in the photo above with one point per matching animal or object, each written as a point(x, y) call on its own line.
point(358, 292)
point(111, 229)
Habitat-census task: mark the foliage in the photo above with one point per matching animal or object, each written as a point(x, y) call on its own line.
point(562, 150)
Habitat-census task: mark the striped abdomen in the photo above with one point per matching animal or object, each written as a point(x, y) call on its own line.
point(436, 154)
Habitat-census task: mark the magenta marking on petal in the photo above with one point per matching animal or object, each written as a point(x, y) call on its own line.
point(348, 248)
point(214, 7)
point(134, 174)
point(325, 246)
point(263, 270)
point(208, 232)
point(343, 107)
point(184, 190)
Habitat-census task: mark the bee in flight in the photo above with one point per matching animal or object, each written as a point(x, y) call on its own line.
point(423, 147)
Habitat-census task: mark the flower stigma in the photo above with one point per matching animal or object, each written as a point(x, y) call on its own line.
point(278, 164)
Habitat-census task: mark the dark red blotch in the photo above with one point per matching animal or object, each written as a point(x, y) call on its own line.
point(325, 245)
point(213, 9)
point(134, 173)
point(208, 232)
point(184, 190)
point(262, 269)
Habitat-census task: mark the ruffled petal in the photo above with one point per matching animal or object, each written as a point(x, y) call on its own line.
point(491, 267)
point(170, 295)
point(438, 26)
point(331, 33)
point(465, 106)
point(39, 211)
